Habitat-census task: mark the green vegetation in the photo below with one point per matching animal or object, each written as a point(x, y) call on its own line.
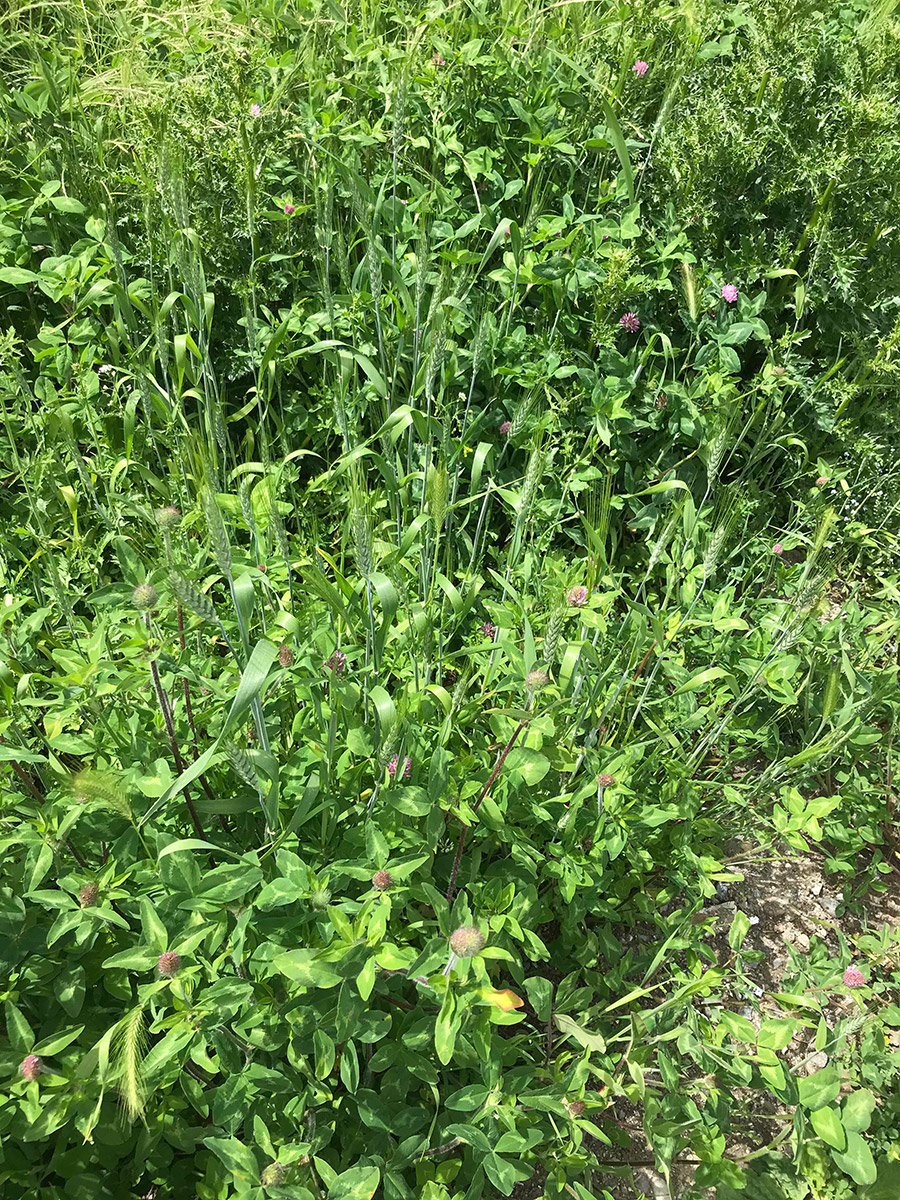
point(449, 492)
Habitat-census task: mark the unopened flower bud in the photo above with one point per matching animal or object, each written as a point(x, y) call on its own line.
point(145, 597)
point(168, 517)
point(31, 1066)
point(466, 941)
point(169, 964)
point(536, 679)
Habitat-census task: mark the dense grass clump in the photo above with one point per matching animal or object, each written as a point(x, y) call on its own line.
point(449, 517)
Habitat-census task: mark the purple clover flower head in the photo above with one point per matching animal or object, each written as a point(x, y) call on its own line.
point(577, 597)
point(394, 765)
point(288, 208)
point(505, 428)
point(169, 964)
point(337, 662)
point(640, 67)
point(778, 548)
point(854, 978)
point(382, 881)
point(30, 1067)
point(489, 629)
point(438, 60)
point(729, 293)
point(255, 110)
point(630, 322)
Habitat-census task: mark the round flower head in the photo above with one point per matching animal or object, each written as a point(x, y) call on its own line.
point(285, 655)
point(169, 964)
point(577, 597)
point(779, 371)
point(145, 597)
point(320, 897)
point(382, 880)
point(854, 978)
point(630, 322)
point(394, 766)
point(729, 293)
point(489, 629)
point(821, 481)
point(505, 428)
point(337, 662)
point(466, 941)
point(778, 548)
point(640, 67)
point(536, 678)
point(255, 110)
point(605, 781)
point(30, 1067)
point(168, 517)
point(288, 208)
point(88, 895)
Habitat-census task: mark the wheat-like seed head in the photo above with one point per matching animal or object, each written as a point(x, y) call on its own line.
point(689, 286)
point(129, 1049)
point(437, 494)
point(217, 532)
point(188, 597)
point(361, 535)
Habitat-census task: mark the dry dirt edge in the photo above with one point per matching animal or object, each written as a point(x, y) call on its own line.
point(793, 900)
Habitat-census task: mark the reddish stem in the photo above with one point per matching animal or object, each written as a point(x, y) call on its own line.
point(464, 831)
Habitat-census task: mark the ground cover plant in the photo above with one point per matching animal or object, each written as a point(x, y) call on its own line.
point(449, 520)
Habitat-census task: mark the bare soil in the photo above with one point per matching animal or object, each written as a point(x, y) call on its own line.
point(792, 900)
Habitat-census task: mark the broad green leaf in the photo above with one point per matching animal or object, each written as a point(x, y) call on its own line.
point(530, 765)
point(18, 1031)
point(236, 1157)
point(820, 1089)
point(591, 1041)
point(303, 968)
point(827, 1124)
point(856, 1160)
point(359, 1183)
point(857, 1109)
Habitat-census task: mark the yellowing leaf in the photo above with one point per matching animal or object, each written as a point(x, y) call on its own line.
point(503, 999)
